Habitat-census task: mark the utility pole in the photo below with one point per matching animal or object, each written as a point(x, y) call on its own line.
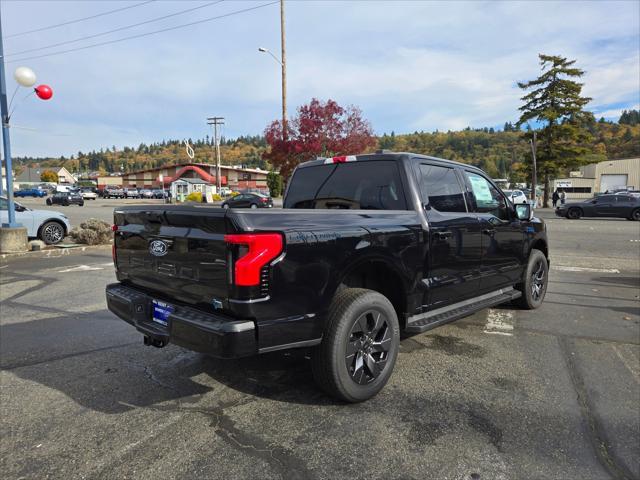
point(283, 63)
point(215, 121)
point(534, 173)
point(6, 144)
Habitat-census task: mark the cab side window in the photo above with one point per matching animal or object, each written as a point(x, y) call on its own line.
point(487, 198)
point(4, 204)
point(441, 189)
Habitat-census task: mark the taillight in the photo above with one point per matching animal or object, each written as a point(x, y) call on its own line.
point(263, 200)
point(261, 248)
point(341, 159)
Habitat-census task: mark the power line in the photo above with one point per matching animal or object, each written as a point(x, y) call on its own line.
point(146, 34)
point(115, 29)
point(78, 20)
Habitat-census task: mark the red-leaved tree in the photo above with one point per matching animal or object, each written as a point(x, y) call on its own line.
point(319, 129)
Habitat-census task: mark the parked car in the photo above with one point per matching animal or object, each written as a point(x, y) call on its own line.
point(49, 226)
point(146, 193)
point(616, 205)
point(248, 200)
point(131, 193)
point(159, 193)
point(113, 193)
point(365, 247)
point(30, 192)
point(88, 194)
point(516, 196)
point(65, 199)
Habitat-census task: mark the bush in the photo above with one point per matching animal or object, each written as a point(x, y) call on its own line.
point(216, 197)
point(233, 194)
point(92, 232)
point(194, 197)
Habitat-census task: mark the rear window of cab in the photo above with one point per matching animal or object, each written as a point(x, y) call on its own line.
point(365, 185)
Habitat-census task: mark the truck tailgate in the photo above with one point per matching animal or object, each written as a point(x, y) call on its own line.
point(178, 252)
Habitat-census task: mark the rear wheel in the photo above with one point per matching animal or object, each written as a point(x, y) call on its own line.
point(253, 205)
point(359, 346)
point(51, 233)
point(574, 213)
point(534, 282)
point(225, 205)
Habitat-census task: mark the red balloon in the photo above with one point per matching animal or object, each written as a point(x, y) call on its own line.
point(44, 92)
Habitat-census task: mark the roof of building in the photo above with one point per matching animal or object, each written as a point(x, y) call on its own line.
point(197, 164)
point(197, 181)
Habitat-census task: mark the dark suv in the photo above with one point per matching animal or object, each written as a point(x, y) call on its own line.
point(366, 247)
point(65, 199)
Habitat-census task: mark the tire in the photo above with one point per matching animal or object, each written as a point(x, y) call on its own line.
point(635, 215)
point(225, 205)
point(534, 282)
point(51, 233)
point(351, 362)
point(574, 214)
point(65, 204)
point(81, 204)
point(253, 205)
point(49, 202)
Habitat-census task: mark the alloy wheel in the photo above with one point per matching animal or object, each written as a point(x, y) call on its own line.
point(52, 233)
point(368, 347)
point(538, 281)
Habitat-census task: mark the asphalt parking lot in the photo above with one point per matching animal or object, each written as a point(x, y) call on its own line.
point(503, 394)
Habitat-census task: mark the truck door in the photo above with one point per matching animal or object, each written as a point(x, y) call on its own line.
point(452, 263)
point(502, 234)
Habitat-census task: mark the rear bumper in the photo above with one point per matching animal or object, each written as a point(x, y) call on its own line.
point(214, 334)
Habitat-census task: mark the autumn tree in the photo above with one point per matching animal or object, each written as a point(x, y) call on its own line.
point(49, 176)
point(555, 102)
point(319, 129)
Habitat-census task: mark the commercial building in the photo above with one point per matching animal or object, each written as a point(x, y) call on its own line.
point(31, 176)
point(600, 178)
point(234, 178)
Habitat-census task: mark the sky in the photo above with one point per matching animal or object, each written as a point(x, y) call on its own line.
point(409, 66)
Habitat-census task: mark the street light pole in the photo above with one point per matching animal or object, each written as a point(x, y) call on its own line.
point(283, 63)
point(6, 144)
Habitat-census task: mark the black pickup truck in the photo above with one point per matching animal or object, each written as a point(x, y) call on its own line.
point(366, 247)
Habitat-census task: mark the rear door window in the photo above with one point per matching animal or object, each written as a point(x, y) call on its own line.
point(441, 189)
point(368, 185)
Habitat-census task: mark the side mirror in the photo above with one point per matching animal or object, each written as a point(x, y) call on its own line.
point(524, 211)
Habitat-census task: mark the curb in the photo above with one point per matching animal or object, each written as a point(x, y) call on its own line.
point(56, 252)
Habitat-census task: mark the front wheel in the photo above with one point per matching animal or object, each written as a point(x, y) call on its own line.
point(534, 282)
point(49, 202)
point(359, 346)
point(81, 204)
point(574, 214)
point(51, 233)
point(635, 215)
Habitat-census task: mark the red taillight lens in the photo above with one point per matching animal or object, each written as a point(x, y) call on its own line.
point(341, 159)
point(262, 248)
point(264, 200)
point(114, 228)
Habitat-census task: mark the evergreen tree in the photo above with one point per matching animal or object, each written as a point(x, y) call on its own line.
point(555, 101)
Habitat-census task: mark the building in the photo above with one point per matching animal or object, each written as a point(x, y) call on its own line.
point(600, 178)
point(234, 178)
point(65, 177)
point(31, 176)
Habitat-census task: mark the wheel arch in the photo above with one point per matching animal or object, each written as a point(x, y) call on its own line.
point(540, 244)
point(53, 219)
point(380, 275)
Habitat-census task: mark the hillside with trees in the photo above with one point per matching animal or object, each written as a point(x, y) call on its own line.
point(503, 152)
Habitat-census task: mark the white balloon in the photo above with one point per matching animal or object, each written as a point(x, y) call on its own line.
point(25, 76)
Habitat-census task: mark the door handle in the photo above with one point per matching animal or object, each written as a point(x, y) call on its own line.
point(443, 235)
point(489, 231)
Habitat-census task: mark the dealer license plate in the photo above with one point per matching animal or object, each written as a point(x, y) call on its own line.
point(161, 312)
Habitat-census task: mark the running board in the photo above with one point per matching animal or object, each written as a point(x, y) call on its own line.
point(434, 318)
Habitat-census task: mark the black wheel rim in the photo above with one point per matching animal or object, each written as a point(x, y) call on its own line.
point(636, 215)
point(573, 214)
point(538, 281)
point(368, 347)
point(52, 233)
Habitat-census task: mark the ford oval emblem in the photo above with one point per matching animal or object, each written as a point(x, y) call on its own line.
point(158, 248)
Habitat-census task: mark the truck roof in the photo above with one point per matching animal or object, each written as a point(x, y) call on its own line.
point(381, 155)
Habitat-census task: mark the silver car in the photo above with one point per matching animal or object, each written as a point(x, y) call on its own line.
point(47, 225)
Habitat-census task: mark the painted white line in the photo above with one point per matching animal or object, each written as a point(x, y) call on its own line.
point(80, 268)
point(632, 368)
point(567, 268)
point(499, 322)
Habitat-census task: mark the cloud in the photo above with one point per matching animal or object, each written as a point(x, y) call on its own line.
point(408, 65)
